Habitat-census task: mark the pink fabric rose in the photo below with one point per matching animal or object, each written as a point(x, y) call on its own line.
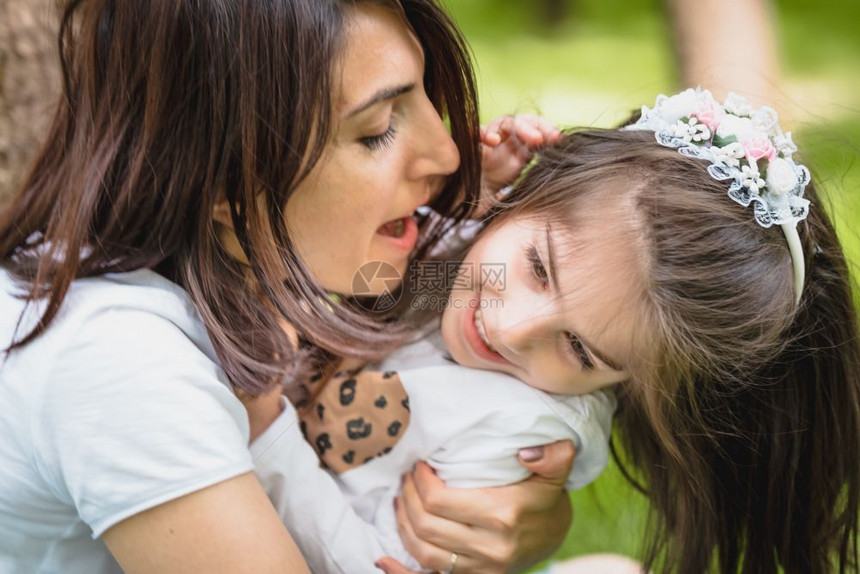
point(757, 148)
point(710, 114)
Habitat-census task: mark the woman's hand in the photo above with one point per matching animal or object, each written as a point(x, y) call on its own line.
point(508, 144)
point(491, 530)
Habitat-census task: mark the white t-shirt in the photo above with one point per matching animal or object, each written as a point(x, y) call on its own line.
point(118, 407)
point(469, 425)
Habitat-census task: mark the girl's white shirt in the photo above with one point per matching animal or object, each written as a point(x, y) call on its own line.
point(469, 425)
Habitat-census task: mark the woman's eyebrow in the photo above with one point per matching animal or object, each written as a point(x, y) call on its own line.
point(554, 278)
point(381, 96)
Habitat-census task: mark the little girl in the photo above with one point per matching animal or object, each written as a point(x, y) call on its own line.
point(635, 264)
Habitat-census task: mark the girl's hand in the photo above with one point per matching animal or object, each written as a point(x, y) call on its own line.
point(262, 410)
point(491, 529)
point(509, 142)
point(265, 408)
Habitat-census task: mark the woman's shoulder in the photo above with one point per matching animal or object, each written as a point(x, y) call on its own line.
point(112, 332)
point(141, 303)
point(124, 379)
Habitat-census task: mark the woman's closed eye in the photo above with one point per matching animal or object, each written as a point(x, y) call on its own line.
point(379, 141)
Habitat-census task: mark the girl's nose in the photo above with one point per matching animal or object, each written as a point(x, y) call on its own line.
point(521, 329)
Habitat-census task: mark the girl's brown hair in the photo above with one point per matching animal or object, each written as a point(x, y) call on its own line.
point(742, 413)
point(170, 105)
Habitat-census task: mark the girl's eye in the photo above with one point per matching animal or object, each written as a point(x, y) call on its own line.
point(538, 269)
point(577, 349)
point(381, 141)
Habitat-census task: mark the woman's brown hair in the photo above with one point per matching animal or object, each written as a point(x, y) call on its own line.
point(741, 418)
point(170, 105)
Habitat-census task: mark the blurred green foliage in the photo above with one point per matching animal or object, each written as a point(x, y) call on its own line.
point(604, 58)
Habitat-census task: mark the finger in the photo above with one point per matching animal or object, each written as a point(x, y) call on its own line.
point(498, 124)
point(551, 463)
point(434, 529)
point(391, 566)
point(496, 128)
point(428, 555)
point(550, 132)
point(490, 138)
point(456, 504)
point(262, 411)
point(504, 126)
point(554, 134)
point(536, 130)
point(525, 128)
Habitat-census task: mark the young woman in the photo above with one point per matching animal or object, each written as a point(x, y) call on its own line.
point(214, 170)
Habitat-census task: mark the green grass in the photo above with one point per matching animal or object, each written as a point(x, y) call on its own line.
point(612, 56)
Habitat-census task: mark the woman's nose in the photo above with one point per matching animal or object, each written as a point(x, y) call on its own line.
point(436, 153)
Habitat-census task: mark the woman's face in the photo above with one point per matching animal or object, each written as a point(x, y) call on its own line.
point(389, 154)
point(548, 307)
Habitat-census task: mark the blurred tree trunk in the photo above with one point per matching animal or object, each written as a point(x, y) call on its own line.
point(554, 11)
point(29, 83)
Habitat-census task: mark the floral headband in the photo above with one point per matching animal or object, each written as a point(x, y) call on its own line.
point(744, 145)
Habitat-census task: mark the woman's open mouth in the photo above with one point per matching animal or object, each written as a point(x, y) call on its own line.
point(401, 233)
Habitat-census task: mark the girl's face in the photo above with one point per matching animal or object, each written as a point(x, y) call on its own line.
point(390, 154)
point(548, 307)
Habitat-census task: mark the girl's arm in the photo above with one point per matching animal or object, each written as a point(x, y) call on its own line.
point(228, 527)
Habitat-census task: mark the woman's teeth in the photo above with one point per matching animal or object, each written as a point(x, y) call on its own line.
point(394, 228)
point(479, 326)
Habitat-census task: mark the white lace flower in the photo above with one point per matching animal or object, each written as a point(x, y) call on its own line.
point(741, 128)
point(784, 144)
point(747, 138)
point(738, 105)
point(680, 105)
point(691, 131)
point(750, 178)
point(730, 154)
point(781, 177)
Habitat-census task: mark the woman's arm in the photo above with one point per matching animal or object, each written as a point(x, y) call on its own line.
point(495, 529)
point(228, 527)
point(501, 529)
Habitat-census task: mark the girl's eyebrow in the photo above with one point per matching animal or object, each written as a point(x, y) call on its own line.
point(551, 258)
point(553, 276)
point(381, 96)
